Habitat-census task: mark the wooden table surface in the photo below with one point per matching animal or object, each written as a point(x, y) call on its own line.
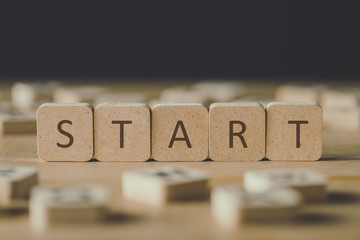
point(337, 218)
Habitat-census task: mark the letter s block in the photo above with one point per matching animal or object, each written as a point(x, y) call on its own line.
point(65, 132)
point(294, 131)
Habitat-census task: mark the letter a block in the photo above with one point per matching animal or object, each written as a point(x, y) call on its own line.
point(294, 131)
point(237, 132)
point(65, 132)
point(179, 132)
point(122, 132)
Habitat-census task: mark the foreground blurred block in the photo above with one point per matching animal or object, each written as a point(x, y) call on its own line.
point(65, 132)
point(311, 184)
point(294, 131)
point(17, 123)
point(158, 185)
point(29, 96)
point(236, 132)
point(16, 182)
point(232, 206)
point(67, 205)
point(122, 132)
point(180, 132)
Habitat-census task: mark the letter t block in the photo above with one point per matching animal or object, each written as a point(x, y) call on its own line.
point(180, 132)
point(294, 131)
point(65, 132)
point(122, 132)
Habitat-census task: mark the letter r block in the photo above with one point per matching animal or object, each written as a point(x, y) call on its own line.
point(294, 131)
point(122, 132)
point(65, 132)
point(237, 132)
point(180, 132)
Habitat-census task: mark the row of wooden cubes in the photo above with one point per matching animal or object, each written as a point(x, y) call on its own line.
point(179, 132)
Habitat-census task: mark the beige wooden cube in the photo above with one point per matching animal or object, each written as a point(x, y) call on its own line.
point(122, 132)
point(311, 184)
point(294, 131)
point(236, 132)
point(76, 94)
point(65, 132)
point(299, 93)
point(342, 119)
point(28, 96)
point(180, 132)
point(232, 206)
point(66, 205)
point(158, 185)
point(17, 123)
point(16, 182)
point(341, 98)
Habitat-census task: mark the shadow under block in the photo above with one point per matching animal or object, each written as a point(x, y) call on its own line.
point(180, 132)
point(232, 206)
point(310, 184)
point(11, 123)
point(65, 132)
point(67, 205)
point(122, 132)
point(156, 186)
point(236, 131)
point(16, 182)
point(294, 131)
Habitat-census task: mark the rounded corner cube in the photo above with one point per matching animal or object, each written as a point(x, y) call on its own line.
point(294, 131)
point(180, 132)
point(122, 132)
point(237, 132)
point(65, 132)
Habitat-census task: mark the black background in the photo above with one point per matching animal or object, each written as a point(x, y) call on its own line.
point(278, 39)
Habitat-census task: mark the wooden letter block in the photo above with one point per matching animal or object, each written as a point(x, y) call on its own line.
point(65, 132)
point(16, 182)
point(122, 132)
point(180, 132)
point(236, 132)
point(311, 184)
point(232, 206)
point(12, 123)
point(67, 205)
point(156, 186)
point(294, 131)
